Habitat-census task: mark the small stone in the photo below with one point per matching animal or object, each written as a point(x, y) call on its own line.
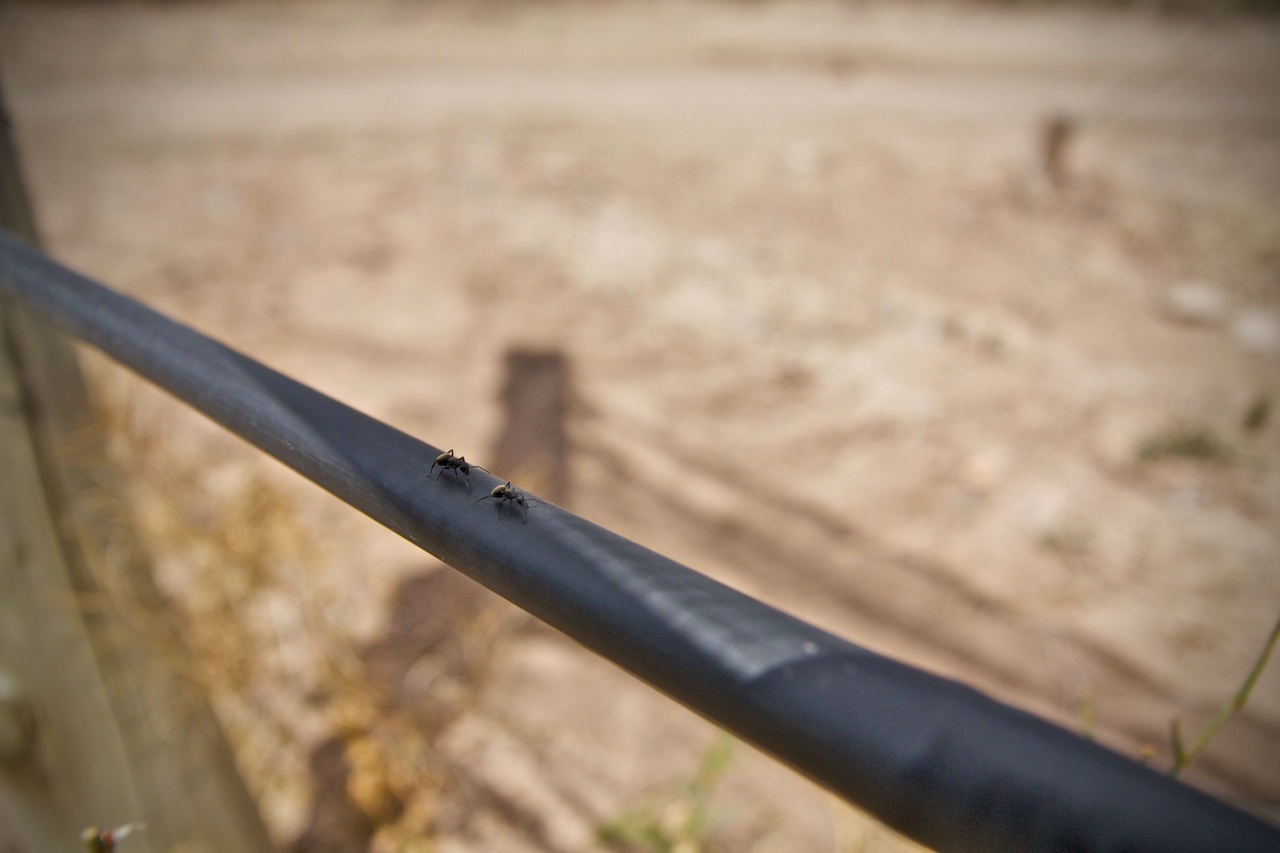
point(984, 470)
point(1197, 303)
point(1257, 331)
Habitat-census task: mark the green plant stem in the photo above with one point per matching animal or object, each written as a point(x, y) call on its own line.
point(1184, 756)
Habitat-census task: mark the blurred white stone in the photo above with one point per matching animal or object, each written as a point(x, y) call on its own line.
point(1198, 303)
point(984, 469)
point(1257, 331)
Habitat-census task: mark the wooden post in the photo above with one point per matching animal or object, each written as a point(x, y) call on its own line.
point(97, 724)
point(1056, 134)
point(533, 447)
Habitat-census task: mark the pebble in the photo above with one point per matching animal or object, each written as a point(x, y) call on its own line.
point(1197, 303)
point(1256, 331)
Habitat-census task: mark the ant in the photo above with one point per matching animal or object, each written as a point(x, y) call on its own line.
point(457, 464)
point(510, 494)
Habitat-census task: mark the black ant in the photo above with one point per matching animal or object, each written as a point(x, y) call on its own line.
point(457, 464)
point(510, 494)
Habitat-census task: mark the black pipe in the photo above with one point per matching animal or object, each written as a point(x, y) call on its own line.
point(934, 759)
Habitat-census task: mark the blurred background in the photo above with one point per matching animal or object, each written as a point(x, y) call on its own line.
point(953, 328)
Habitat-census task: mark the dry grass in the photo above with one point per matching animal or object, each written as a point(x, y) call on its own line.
point(336, 734)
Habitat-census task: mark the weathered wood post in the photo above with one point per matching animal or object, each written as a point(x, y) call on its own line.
point(97, 725)
point(536, 397)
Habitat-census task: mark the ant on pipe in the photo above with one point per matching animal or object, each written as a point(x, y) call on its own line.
point(457, 464)
point(509, 494)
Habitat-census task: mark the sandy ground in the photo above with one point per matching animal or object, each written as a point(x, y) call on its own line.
point(836, 339)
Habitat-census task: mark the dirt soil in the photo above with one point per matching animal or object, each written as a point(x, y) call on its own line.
point(843, 332)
